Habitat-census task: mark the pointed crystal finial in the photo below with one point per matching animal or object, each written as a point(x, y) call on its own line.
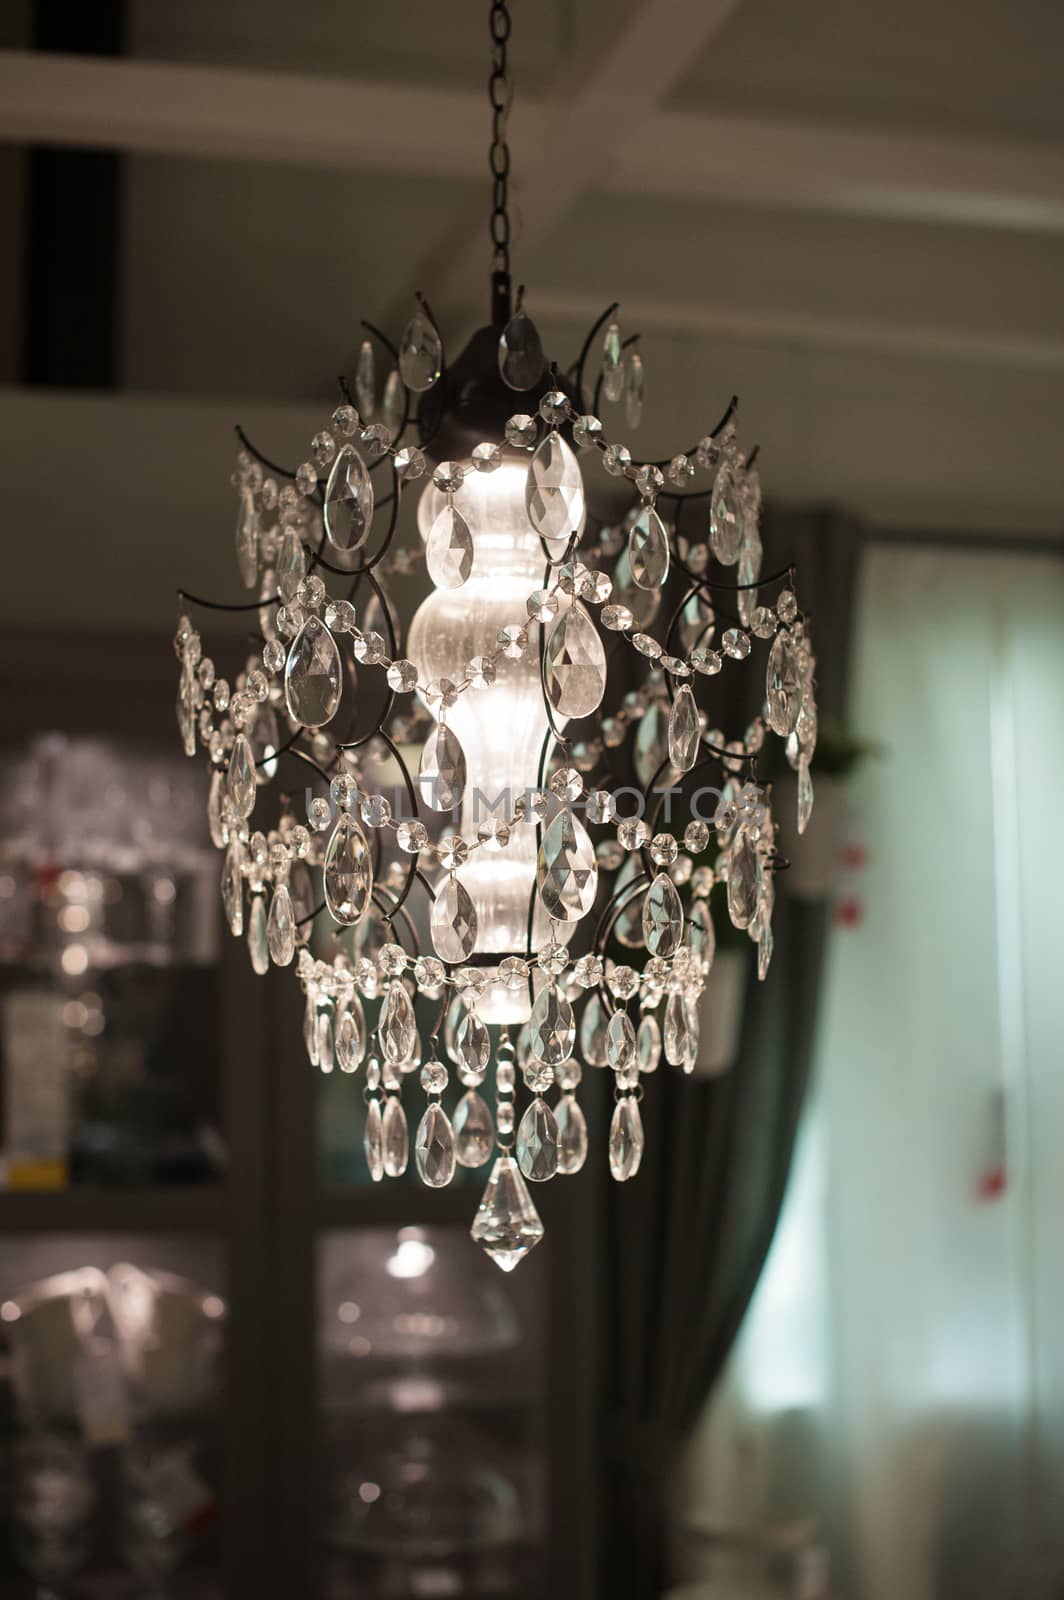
point(662, 917)
point(449, 549)
point(434, 1147)
point(684, 730)
point(281, 927)
point(521, 359)
point(648, 550)
point(474, 1133)
point(312, 676)
point(537, 1142)
point(348, 500)
point(626, 1139)
point(453, 921)
point(554, 490)
point(507, 1225)
point(567, 870)
point(348, 872)
point(420, 352)
point(395, 1137)
point(442, 773)
point(572, 1135)
point(397, 1026)
point(574, 664)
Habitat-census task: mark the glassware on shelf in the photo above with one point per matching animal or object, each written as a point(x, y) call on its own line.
point(52, 1507)
point(162, 1497)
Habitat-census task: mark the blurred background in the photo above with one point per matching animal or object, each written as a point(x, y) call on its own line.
point(815, 1349)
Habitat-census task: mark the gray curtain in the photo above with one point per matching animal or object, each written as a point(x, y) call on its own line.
point(686, 1241)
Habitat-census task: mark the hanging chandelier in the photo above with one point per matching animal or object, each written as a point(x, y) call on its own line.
point(467, 882)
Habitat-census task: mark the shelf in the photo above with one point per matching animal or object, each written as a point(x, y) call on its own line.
point(397, 1205)
point(87, 1210)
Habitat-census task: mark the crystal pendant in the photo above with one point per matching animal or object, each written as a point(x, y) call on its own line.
point(453, 922)
point(258, 949)
point(703, 933)
point(472, 1044)
point(393, 404)
point(551, 1028)
point(348, 872)
point(291, 565)
point(554, 490)
point(310, 1028)
point(648, 1044)
point(442, 773)
point(744, 879)
point(348, 500)
point(574, 664)
point(351, 1036)
point(312, 676)
point(684, 730)
point(326, 1042)
point(373, 1141)
point(750, 557)
point(620, 1042)
point(805, 793)
point(783, 690)
point(474, 1133)
point(366, 381)
point(593, 1022)
point(626, 1139)
point(662, 917)
point(396, 1026)
point(281, 927)
point(572, 1135)
point(676, 1033)
point(264, 742)
point(434, 1147)
point(395, 1139)
point(449, 549)
point(247, 539)
point(215, 825)
point(240, 782)
point(521, 359)
point(507, 1225)
point(634, 389)
point(690, 1054)
point(233, 887)
point(567, 871)
point(537, 1142)
point(648, 550)
point(420, 353)
point(612, 363)
point(188, 702)
point(726, 518)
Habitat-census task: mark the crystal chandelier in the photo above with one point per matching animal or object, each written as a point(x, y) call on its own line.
point(466, 843)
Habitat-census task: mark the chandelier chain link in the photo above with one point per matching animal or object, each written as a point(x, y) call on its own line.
point(500, 94)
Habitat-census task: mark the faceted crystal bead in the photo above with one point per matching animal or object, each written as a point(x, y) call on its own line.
point(397, 1027)
point(348, 500)
point(373, 1141)
point(634, 389)
point(351, 1036)
point(620, 1042)
point(258, 949)
point(648, 1044)
point(453, 922)
point(662, 917)
point(233, 887)
point(521, 431)
point(474, 1133)
point(805, 793)
point(366, 380)
point(744, 879)
point(313, 676)
point(442, 773)
point(281, 927)
point(684, 730)
point(348, 872)
point(554, 490)
point(395, 1140)
point(507, 1225)
point(420, 353)
point(593, 1023)
point(572, 1135)
point(677, 1032)
point(240, 784)
point(481, 672)
point(409, 464)
point(521, 359)
point(411, 836)
point(726, 518)
point(449, 549)
point(783, 692)
point(434, 1147)
point(551, 1028)
point(537, 1142)
point(574, 664)
point(612, 363)
point(567, 871)
point(648, 550)
point(626, 1139)
point(586, 430)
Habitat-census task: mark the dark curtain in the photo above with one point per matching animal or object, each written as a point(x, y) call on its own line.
point(687, 1240)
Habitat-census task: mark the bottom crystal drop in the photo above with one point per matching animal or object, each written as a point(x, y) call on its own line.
point(507, 1225)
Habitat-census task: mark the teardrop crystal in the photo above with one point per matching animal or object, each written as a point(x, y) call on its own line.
point(662, 917)
point(312, 676)
point(744, 879)
point(648, 550)
point(373, 1141)
point(310, 1028)
point(449, 549)
point(474, 1133)
point(420, 353)
point(348, 500)
point(676, 1035)
point(634, 389)
point(750, 558)
point(291, 565)
point(572, 1135)
point(783, 690)
point(240, 782)
point(348, 872)
point(805, 793)
point(567, 870)
point(521, 359)
point(281, 927)
point(620, 1042)
point(648, 1044)
point(726, 517)
point(215, 825)
point(703, 934)
point(326, 1041)
point(442, 773)
point(258, 949)
point(434, 1147)
point(551, 1028)
point(626, 1139)
point(247, 539)
point(366, 381)
point(393, 404)
point(264, 742)
point(233, 887)
point(684, 730)
point(453, 922)
point(593, 1023)
point(507, 1225)
point(351, 1036)
point(537, 1142)
point(554, 490)
point(574, 663)
point(612, 363)
point(394, 1137)
point(396, 1026)
point(472, 1044)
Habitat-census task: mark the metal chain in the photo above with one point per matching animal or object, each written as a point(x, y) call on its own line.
point(500, 94)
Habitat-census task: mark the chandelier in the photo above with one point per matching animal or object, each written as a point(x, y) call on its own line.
point(467, 887)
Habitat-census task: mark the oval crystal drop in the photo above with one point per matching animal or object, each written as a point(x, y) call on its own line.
point(648, 550)
point(635, 390)
point(726, 518)
point(348, 500)
point(612, 363)
point(453, 922)
point(310, 1029)
point(351, 1036)
point(474, 1132)
point(676, 1030)
point(572, 1135)
point(648, 1044)
point(373, 1141)
point(537, 1142)
point(291, 565)
point(554, 490)
point(507, 1225)
point(281, 927)
point(434, 1147)
point(258, 949)
point(233, 887)
point(521, 359)
point(472, 1044)
point(626, 1139)
point(750, 557)
point(240, 782)
point(783, 691)
point(394, 1137)
point(312, 676)
point(348, 872)
point(662, 917)
point(574, 664)
point(420, 353)
point(684, 730)
point(326, 1041)
point(744, 880)
point(703, 934)
point(449, 550)
point(593, 1023)
point(396, 1026)
point(442, 773)
point(805, 793)
point(567, 870)
point(620, 1042)
point(551, 1028)
point(393, 404)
